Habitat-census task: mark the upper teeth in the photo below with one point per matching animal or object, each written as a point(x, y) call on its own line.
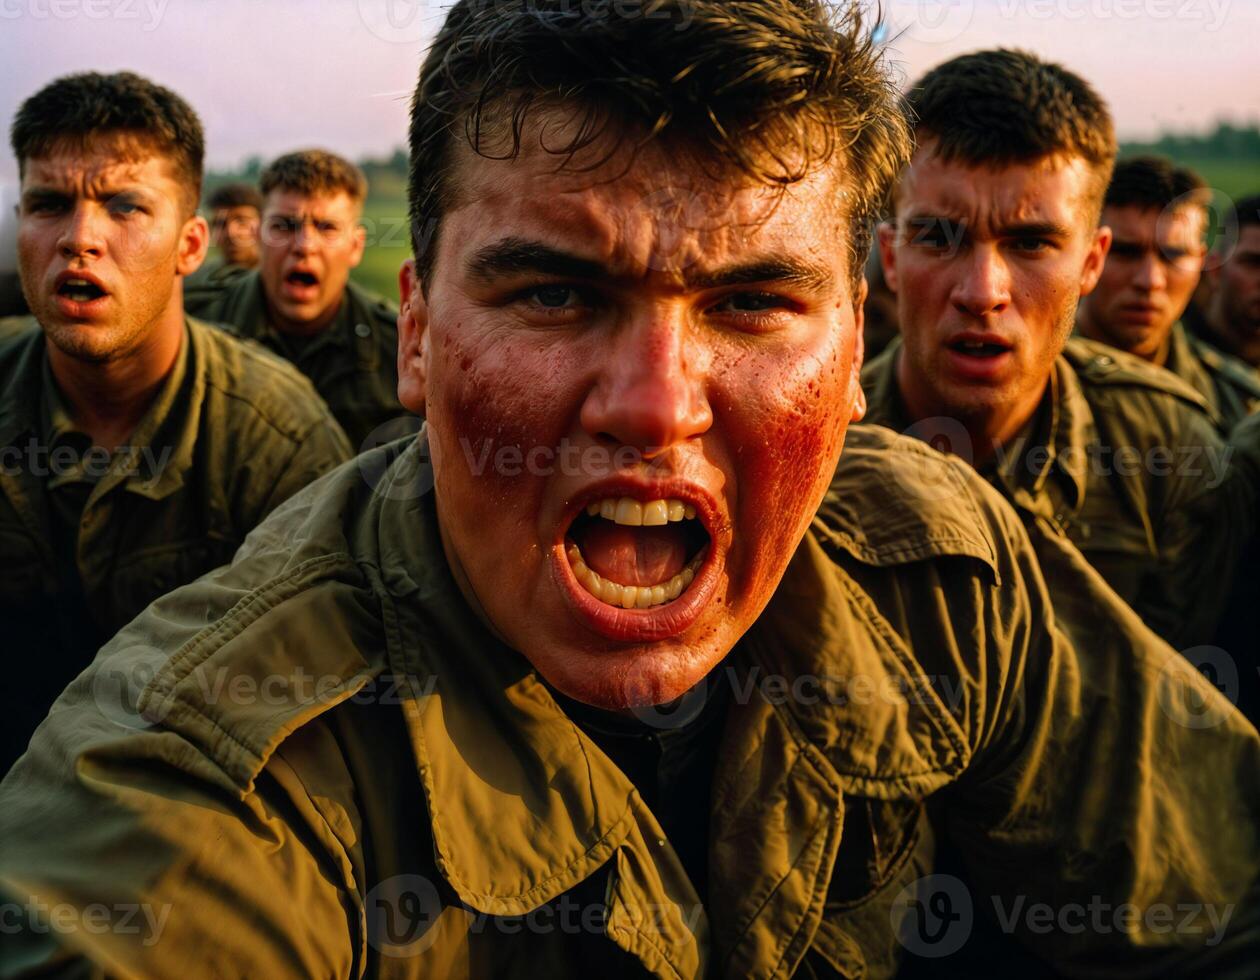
point(78, 282)
point(631, 512)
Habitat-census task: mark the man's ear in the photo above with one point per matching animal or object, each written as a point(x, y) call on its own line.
point(1095, 259)
point(413, 339)
point(360, 243)
point(859, 352)
point(886, 236)
point(194, 244)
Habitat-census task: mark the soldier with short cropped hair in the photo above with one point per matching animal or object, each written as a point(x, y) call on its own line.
point(300, 301)
point(641, 661)
point(994, 240)
point(1157, 213)
point(138, 446)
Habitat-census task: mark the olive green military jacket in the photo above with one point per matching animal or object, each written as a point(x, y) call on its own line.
point(1230, 386)
point(353, 363)
point(1124, 459)
point(232, 433)
point(330, 768)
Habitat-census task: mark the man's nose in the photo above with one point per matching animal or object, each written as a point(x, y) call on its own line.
point(651, 392)
point(986, 284)
point(83, 233)
point(1150, 274)
point(306, 238)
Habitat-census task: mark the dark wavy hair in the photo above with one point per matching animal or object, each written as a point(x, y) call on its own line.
point(771, 88)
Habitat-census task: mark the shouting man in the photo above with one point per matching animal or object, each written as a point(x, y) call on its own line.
point(621, 667)
point(139, 447)
point(301, 303)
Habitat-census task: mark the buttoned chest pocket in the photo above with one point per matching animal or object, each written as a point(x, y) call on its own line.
point(885, 848)
point(153, 572)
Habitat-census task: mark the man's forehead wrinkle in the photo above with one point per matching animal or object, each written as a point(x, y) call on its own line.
point(96, 175)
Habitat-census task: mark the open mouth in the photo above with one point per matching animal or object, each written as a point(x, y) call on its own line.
point(632, 554)
point(300, 278)
point(979, 348)
point(79, 290)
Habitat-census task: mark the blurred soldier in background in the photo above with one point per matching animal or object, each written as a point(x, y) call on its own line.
point(235, 219)
point(1158, 216)
point(12, 302)
point(137, 447)
point(300, 302)
point(994, 240)
point(1232, 318)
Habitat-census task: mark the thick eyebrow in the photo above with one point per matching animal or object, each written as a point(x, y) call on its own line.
point(1035, 229)
point(773, 269)
point(1022, 229)
point(43, 195)
point(513, 256)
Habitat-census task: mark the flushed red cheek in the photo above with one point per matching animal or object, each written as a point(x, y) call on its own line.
point(788, 451)
point(503, 415)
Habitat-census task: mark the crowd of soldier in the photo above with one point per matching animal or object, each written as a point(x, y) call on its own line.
point(271, 369)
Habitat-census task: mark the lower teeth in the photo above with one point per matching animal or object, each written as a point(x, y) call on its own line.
point(631, 596)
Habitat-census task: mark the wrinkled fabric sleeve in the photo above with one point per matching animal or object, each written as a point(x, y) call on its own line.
point(125, 848)
point(321, 449)
point(1107, 774)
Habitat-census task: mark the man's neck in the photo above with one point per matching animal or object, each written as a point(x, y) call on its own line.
point(988, 431)
point(303, 328)
point(107, 399)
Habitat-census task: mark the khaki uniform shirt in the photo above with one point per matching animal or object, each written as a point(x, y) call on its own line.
point(332, 768)
point(88, 538)
point(353, 363)
point(1229, 385)
point(1124, 460)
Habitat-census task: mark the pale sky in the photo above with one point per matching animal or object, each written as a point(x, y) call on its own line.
point(268, 76)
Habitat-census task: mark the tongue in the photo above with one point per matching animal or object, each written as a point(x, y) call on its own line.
point(634, 555)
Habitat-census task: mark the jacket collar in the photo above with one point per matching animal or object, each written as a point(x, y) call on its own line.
point(171, 422)
point(1054, 447)
point(1056, 440)
point(245, 307)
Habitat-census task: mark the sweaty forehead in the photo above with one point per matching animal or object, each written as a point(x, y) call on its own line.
point(650, 213)
point(1133, 223)
point(291, 202)
point(1052, 190)
point(74, 171)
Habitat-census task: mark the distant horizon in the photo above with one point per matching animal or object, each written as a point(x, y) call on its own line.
point(339, 73)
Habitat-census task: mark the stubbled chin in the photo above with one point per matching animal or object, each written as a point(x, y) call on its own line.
point(648, 675)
